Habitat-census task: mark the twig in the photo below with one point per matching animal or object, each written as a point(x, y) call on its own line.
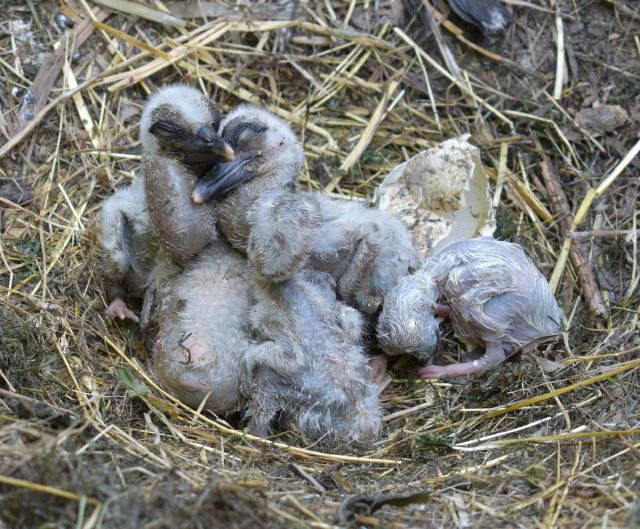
point(372, 126)
point(560, 57)
point(305, 475)
point(561, 209)
point(50, 70)
point(584, 209)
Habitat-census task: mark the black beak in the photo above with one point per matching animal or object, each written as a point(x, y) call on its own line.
point(223, 178)
point(206, 147)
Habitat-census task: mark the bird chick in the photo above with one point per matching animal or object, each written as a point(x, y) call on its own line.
point(365, 250)
point(310, 370)
point(178, 131)
point(203, 332)
point(496, 298)
point(153, 224)
point(308, 367)
point(269, 156)
point(407, 323)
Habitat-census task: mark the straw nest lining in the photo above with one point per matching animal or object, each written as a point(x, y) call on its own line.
point(88, 440)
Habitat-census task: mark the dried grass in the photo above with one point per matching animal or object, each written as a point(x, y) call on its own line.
point(86, 437)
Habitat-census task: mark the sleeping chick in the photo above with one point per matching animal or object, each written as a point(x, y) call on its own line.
point(152, 225)
point(365, 250)
point(159, 241)
point(496, 298)
point(308, 368)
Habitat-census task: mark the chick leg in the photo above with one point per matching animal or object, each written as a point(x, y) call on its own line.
point(121, 239)
point(442, 311)
point(273, 355)
point(493, 356)
point(263, 408)
point(147, 307)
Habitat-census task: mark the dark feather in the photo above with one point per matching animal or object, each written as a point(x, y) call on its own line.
point(488, 15)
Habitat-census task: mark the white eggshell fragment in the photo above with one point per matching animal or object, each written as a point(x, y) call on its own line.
point(442, 194)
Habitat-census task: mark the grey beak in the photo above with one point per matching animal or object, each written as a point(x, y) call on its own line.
point(223, 178)
point(206, 147)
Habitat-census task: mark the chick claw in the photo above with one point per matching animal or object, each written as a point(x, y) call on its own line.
point(118, 309)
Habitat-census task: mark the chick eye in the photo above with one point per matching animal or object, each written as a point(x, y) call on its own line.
point(164, 127)
point(255, 127)
point(245, 132)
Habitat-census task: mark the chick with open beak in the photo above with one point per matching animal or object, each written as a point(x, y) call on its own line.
point(152, 225)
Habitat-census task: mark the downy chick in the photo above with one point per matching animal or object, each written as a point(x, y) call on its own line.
point(202, 311)
point(496, 298)
point(152, 225)
point(201, 301)
point(203, 330)
point(309, 368)
point(365, 250)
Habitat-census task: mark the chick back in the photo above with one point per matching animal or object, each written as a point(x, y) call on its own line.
point(496, 293)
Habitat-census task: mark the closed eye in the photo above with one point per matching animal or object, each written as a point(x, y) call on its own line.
point(165, 127)
point(244, 132)
point(254, 127)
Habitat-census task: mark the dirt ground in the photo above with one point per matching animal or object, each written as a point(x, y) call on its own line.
point(87, 440)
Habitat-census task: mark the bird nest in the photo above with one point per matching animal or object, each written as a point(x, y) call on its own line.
point(87, 439)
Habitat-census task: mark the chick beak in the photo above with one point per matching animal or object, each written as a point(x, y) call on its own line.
point(223, 178)
point(206, 147)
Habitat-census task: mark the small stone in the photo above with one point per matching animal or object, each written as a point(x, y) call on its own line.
point(63, 21)
point(604, 118)
point(29, 98)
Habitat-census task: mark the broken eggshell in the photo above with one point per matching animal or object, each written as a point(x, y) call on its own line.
point(442, 194)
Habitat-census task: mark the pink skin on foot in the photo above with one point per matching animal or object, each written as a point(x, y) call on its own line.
point(493, 356)
point(118, 309)
point(442, 311)
point(378, 366)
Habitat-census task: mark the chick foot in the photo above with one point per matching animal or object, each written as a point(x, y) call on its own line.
point(118, 309)
point(378, 365)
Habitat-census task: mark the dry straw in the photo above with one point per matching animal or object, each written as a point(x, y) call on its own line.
point(550, 441)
